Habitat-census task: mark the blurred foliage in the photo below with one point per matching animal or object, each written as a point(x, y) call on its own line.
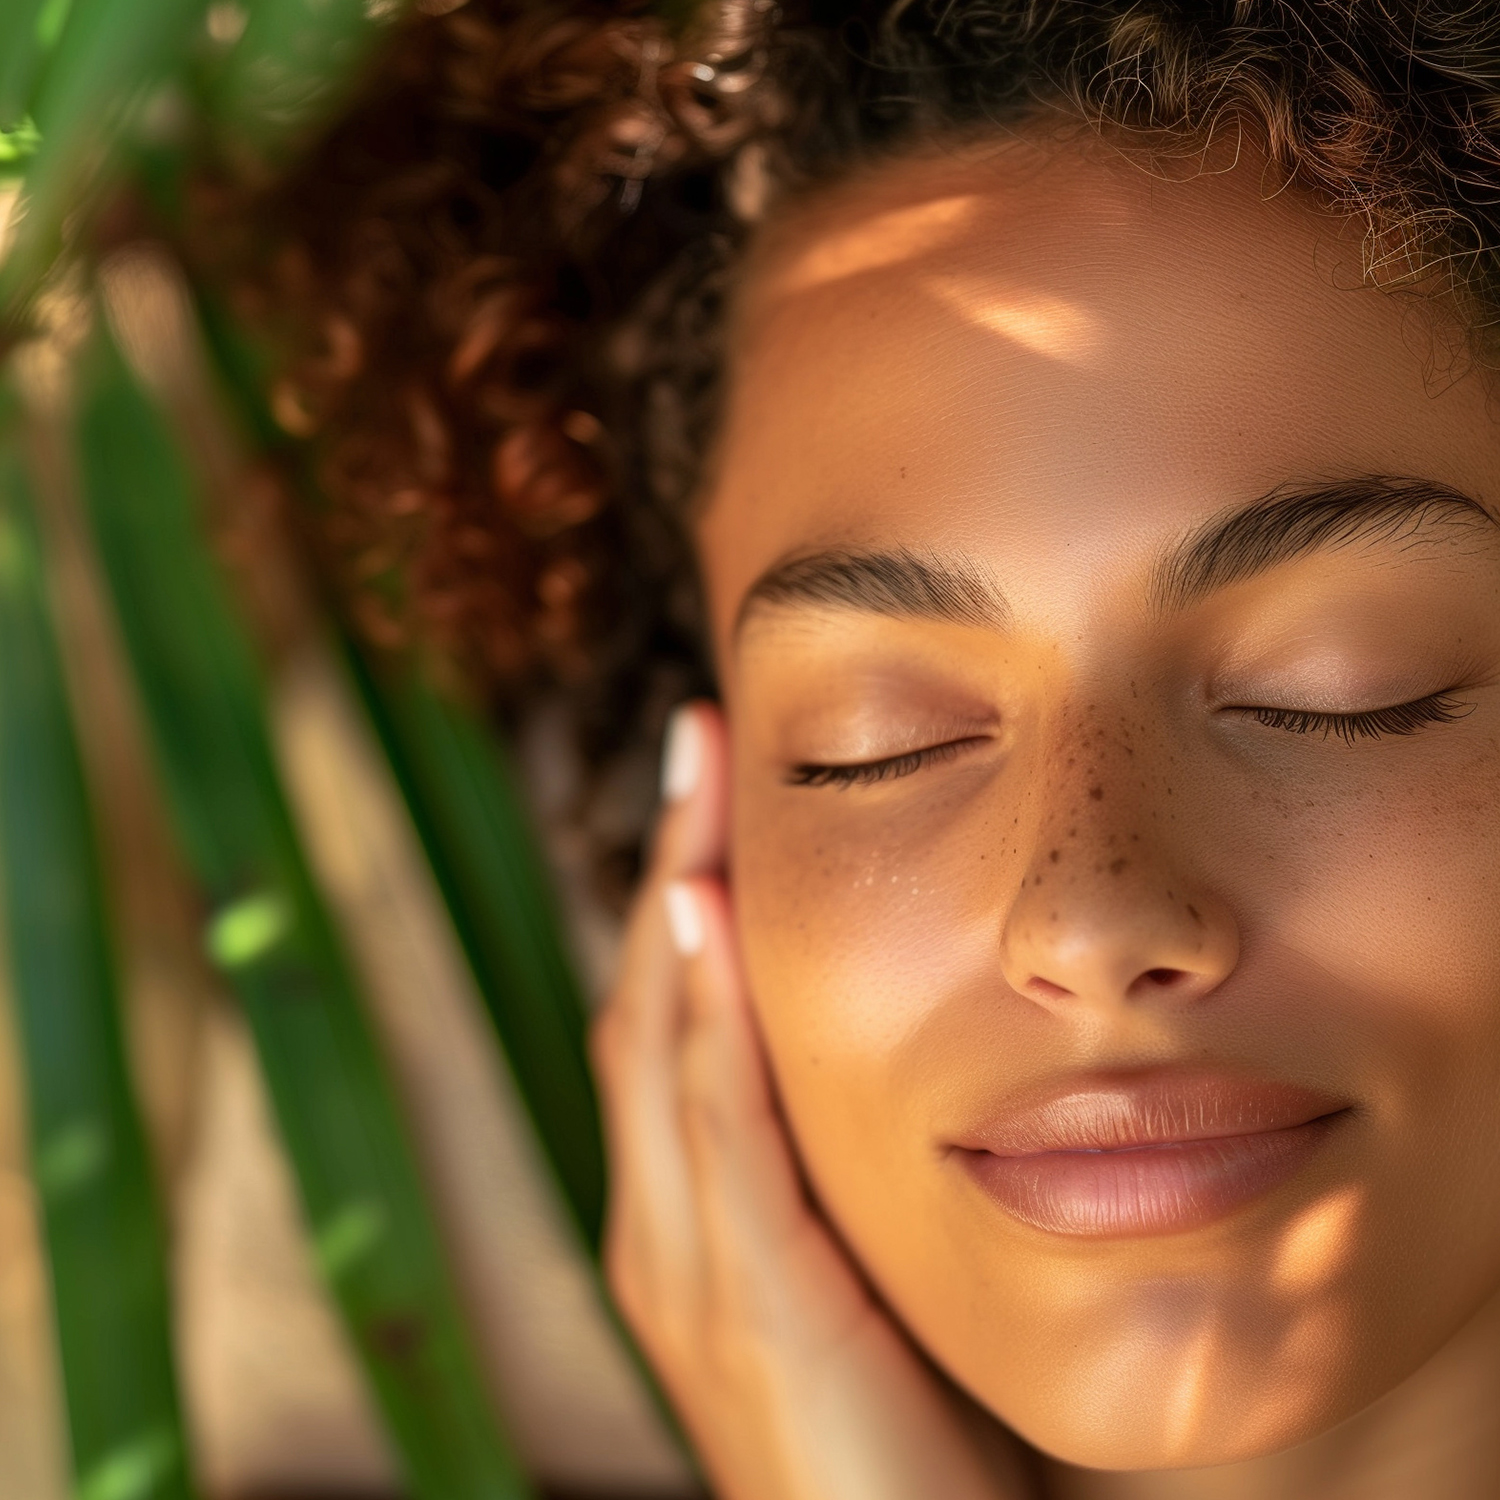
point(271, 936)
point(99, 1207)
point(99, 99)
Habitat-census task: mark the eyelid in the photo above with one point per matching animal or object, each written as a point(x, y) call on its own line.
point(886, 768)
point(1406, 718)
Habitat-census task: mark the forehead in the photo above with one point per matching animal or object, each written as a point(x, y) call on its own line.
point(1046, 355)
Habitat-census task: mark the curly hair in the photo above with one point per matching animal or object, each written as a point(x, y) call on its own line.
point(499, 281)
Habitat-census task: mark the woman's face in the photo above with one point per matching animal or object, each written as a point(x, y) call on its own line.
point(1135, 1008)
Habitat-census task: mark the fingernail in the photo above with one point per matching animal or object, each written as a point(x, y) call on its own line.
point(682, 761)
point(685, 918)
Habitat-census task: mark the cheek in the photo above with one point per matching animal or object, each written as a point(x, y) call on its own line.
point(857, 928)
point(1391, 888)
point(871, 945)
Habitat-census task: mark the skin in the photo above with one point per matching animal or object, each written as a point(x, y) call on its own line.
point(1044, 368)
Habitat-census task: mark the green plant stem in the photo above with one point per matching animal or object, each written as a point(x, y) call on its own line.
point(269, 931)
point(461, 794)
point(103, 1236)
point(87, 73)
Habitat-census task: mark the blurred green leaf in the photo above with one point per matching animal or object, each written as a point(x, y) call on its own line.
point(19, 145)
point(23, 38)
point(269, 930)
point(82, 94)
point(290, 62)
point(109, 1285)
point(462, 796)
point(461, 792)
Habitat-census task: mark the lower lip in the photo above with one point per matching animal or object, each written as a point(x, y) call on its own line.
point(1142, 1190)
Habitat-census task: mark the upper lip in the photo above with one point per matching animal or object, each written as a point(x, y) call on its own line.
point(1127, 1111)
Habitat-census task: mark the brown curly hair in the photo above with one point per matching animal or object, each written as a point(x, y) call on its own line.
point(500, 278)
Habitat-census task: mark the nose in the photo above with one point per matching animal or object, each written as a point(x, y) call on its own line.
point(1107, 914)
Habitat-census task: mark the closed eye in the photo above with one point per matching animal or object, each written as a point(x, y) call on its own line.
point(1369, 724)
point(892, 768)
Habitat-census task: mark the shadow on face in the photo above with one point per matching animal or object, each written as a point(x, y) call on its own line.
point(1105, 596)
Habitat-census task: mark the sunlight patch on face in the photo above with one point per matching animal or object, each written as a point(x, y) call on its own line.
point(1185, 1389)
point(1049, 326)
point(1153, 1366)
point(1318, 1243)
point(877, 242)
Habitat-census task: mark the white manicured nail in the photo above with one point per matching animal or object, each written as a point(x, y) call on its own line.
point(682, 762)
point(685, 918)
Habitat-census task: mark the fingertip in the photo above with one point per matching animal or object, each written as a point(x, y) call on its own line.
point(682, 754)
point(691, 836)
point(684, 918)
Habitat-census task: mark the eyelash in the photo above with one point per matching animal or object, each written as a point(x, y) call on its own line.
point(1371, 724)
point(871, 771)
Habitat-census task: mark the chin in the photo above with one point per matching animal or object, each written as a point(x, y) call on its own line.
point(1184, 1353)
point(1149, 1433)
point(1189, 1372)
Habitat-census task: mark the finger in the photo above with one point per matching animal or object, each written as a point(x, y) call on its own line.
point(690, 839)
point(691, 832)
point(766, 1247)
point(653, 1230)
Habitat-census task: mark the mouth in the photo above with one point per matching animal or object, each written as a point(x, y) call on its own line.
point(1145, 1154)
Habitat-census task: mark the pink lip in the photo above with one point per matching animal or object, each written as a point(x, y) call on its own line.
point(1151, 1153)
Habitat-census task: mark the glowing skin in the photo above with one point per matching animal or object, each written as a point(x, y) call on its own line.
point(1122, 876)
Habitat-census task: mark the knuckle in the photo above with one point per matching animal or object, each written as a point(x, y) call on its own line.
point(620, 1276)
point(727, 1352)
point(629, 1282)
point(706, 1104)
point(660, 1324)
point(608, 1038)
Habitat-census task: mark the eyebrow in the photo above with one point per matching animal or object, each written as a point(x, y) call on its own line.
point(900, 584)
point(1291, 521)
point(1294, 521)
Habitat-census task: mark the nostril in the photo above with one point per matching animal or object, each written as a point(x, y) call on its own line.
point(1156, 980)
point(1046, 989)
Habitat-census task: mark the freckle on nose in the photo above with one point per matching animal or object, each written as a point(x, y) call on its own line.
point(1097, 793)
point(1052, 854)
point(1116, 865)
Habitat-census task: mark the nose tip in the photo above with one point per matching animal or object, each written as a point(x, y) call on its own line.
point(1096, 948)
point(1112, 909)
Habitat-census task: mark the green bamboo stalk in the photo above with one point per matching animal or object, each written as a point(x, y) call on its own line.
point(83, 70)
point(270, 934)
point(109, 1285)
point(461, 792)
point(25, 26)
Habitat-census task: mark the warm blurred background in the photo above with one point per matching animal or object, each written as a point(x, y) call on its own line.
point(300, 1170)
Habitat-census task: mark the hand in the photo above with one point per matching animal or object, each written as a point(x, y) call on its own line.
point(791, 1380)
